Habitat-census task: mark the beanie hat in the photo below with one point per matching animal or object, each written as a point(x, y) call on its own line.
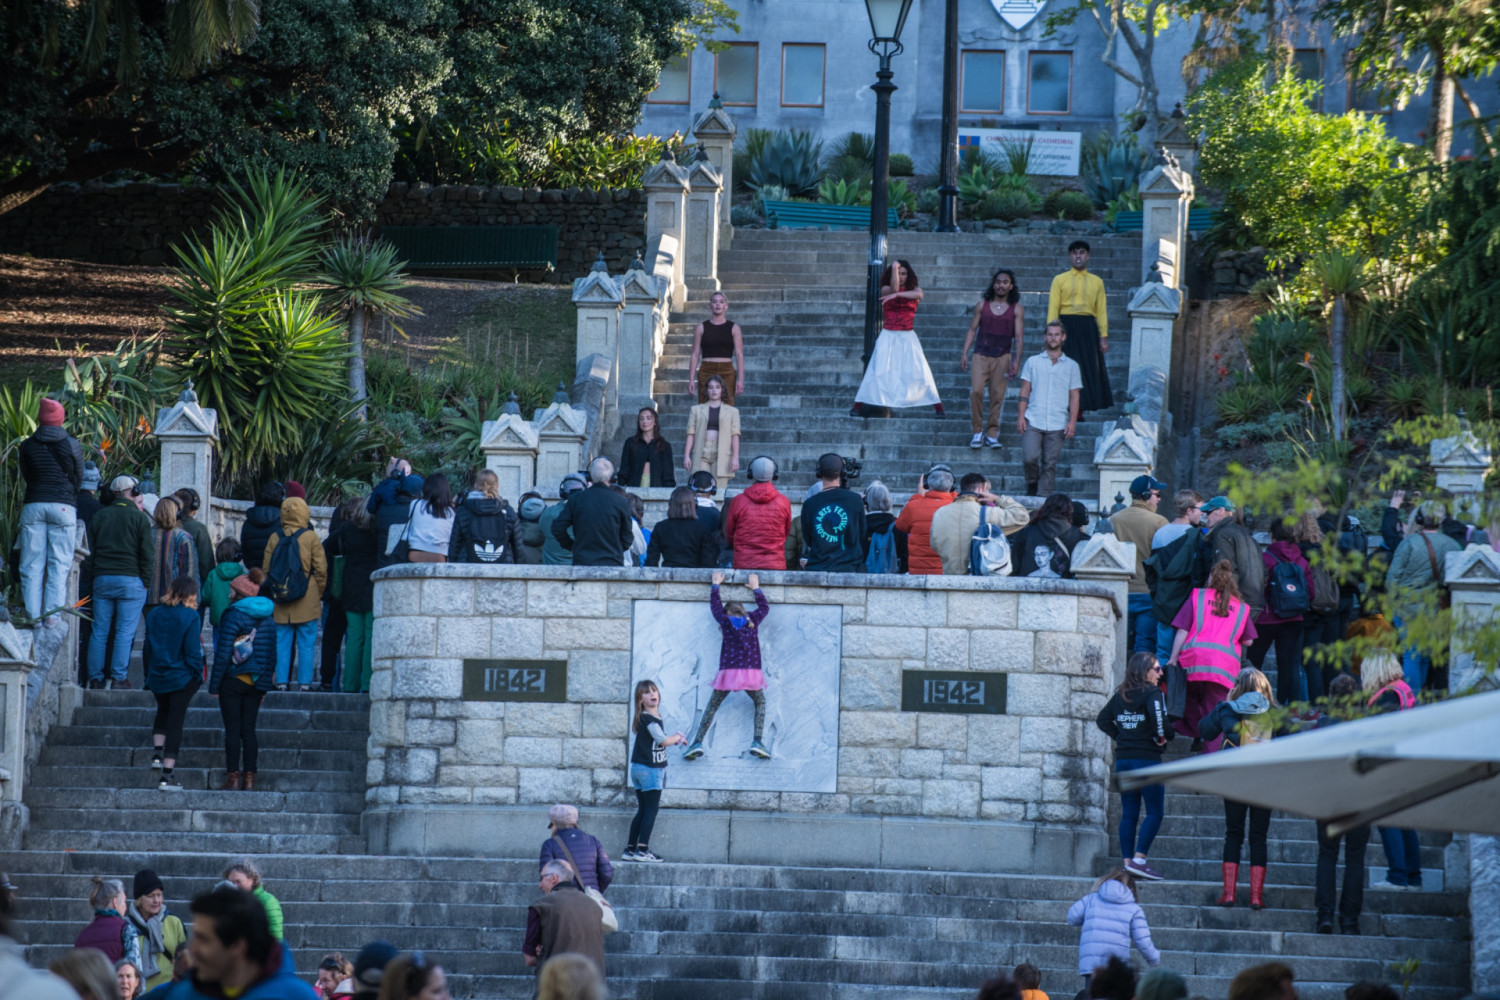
point(90, 477)
point(369, 967)
point(412, 485)
point(532, 507)
point(51, 414)
point(244, 586)
point(294, 489)
point(1161, 984)
point(145, 882)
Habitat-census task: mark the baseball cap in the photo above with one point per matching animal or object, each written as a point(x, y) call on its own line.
point(120, 485)
point(1144, 486)
point(1218, 503)
point(370, 965)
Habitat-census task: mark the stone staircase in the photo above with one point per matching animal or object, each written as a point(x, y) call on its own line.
point(784, 932)
point(799, 297)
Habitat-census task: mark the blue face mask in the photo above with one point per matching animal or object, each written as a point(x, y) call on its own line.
point(738, 622)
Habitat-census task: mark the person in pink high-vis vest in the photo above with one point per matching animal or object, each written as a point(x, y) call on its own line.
point(1213, 628)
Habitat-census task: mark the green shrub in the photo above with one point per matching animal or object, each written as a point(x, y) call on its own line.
point(901, 165)
point(977, 180)
point(743, 215)
point(752, 141)
point(838, 192)
point(855, 145)
point(1111, 166)
point(1129, 201)
point(900, 197)
point(771, 192)
point(1068, 204)
point(1005, 205)
point(848, 168)
point(447, 153)
point(1243, 404)
point(1405, 397)
point(927, 200)
point(789, 160)
point(1360, 389)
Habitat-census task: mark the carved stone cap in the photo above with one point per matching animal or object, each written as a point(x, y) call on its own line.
point(665, 175)
point(511, 432)
point(1103, 556)
point(1167, 179)
point(714, 123)
point(597, 288)
point(1124, 446)
point(1154, 298)
point(1475, 566)
point(638, 284)
point(1463, 451)
point(704, 177)
point(186, 418)
point(560, 420)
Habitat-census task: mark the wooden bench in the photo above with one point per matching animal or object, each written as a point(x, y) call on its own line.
point(1199, 219)
point(810, 215)
point(523, 248)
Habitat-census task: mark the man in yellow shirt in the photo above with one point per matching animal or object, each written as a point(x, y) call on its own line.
point(1077, 299)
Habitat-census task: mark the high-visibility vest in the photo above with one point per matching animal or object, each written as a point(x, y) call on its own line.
point(1403, 691)
point(1212, 650)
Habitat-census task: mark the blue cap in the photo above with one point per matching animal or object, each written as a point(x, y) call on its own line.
point(1144, 486)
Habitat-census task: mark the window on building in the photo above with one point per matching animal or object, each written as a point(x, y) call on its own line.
point(736, 73)
point(1049, 89)
point(802, 75)
point(982, 82)
point(1362, 95)
point(674, 86)
point(1307, 64)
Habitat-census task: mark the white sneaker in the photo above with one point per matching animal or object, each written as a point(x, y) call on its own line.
point(977, 440)
point(992, 442)
point(1389, 886)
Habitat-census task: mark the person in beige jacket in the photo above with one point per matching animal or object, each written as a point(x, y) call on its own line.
point(713, 436)
point(1137, 525)
point(953, 525)
point(298, 620)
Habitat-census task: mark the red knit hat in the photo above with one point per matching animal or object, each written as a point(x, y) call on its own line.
point(294, 489)
point(244, 586)
point(51, 414)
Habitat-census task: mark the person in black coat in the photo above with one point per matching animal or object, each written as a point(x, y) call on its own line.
point(600, 519)
point(261, 522)
point(396, 511)
point(485, 528)
point(1047, 540)
point(646, 449)
point(356, 543)
point(681, 540)
point(248, 626)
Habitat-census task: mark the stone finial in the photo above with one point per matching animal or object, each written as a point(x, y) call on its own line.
point(667, 156)
point(187, 395)
point(1119, 504)
point(1104, 553)
point(639, 264)
point(701, 154)
point(512, 405)
point(600, 264)
point(1154, 274)
point(561, 395)
point(715, 104)
point(1177, 111)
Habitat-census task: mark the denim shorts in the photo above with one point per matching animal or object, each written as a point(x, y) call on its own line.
point(647, 779)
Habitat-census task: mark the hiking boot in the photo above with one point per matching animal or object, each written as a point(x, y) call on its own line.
point(1142, 870)
point(231, 782)
point(119, 685)
point(247, 781)
point(693, 752)
point(758, 749)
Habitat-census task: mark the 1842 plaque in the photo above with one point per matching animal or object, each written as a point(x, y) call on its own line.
point(974, 692)
point(515, 680)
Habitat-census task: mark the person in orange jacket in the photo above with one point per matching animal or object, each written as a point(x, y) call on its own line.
point(934, 490)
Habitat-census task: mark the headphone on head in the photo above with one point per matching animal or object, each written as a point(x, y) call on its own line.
point(775, 470)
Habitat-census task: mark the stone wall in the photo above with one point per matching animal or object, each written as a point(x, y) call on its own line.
point(136, 223)
point(449, 775)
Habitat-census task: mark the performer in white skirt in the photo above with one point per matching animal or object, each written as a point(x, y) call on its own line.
point(898, 375)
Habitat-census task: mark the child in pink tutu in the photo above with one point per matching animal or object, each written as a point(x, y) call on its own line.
point(739, 663)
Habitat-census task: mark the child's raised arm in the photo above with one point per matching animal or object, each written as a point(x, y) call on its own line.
point(762, 607)
point(716, 605)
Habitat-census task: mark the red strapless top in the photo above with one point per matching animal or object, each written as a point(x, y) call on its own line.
point(900, 314)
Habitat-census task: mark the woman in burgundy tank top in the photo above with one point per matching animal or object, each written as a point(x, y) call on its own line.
point(718, 349)
point(995, 335)
point(898, 374)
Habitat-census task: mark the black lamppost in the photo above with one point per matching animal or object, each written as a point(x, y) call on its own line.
point(948, 162)
point(887, 18)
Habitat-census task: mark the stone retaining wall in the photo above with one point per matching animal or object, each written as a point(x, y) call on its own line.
point(448, 775)
point(137, 223)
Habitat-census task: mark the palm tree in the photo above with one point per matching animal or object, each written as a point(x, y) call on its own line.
point(196, 32)
point(1341, 275)
point(366, 278)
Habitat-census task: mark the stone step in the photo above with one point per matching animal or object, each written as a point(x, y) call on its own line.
point(170, 817)
point(351, 779)
point(135, 799)
point(209, 736)
point(271, 758)
point(223, 844)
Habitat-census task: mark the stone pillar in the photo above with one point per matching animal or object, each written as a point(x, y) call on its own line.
point(1473, 580)
point(715, 132)
point(666, 186)
point(1107, 560)
point(1166, 193)
point(1484, 914)
point(642, 331)
point(1119, 456)
point(701, 267)
point(561, 430)
point(1175, 141)
point(598, 299)
point(1461, 463)
point(187, 433)
point(1153, 310)
point(510, 448)
point(15, 667)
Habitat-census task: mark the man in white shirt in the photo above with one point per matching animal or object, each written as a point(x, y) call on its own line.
point(1050, 386)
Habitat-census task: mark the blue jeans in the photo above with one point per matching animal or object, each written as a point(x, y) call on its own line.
point(49, 532)
point(1403, 853)
point(1413, 663)
point(1142, 627)
point(1154, 797)
point(117, 604)
point(1165, 636)
point(306, 636)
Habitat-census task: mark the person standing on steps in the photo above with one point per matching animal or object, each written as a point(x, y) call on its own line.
point(176, 555)
point(739, 663)
point(159, 932)
point(296, 581)
point(1111, 921)
point(236, 954)
point(1138, 524)
point(554, 553)
point(189, 503)
point(1280, 622)
point(898, 375)
point(954, 525)
point(713, 435)
point(52, 465)
point(681, 540)
point(1053, 382)
point(244, 669)
point(356, 544)
point(718, 350)
point(1211, 630)
point(1388, 690)
point(1077, 301)
point(123, 560)
point(562, 920)
point(245, 874)
point(1342, 691)
point(996, 334)
point(1244, 718)
point(109, 931)
point(173, 655)
point(595, 524)
point(1135, 718)
point(646, 459)
point(934, 491)
point(757, 521)
point(648, 769)
point(261, 522)
point(833, 523)
point(581, 850)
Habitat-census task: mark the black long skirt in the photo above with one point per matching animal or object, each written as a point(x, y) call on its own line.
point(1082, 346)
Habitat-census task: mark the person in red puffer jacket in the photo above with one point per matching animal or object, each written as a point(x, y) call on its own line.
point(757, 521)
point(934, 490)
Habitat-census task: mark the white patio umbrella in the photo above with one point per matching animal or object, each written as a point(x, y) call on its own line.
point(1430, 768)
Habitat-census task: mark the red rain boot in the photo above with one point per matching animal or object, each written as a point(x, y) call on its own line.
point(1257, 887)
point(1231, 877)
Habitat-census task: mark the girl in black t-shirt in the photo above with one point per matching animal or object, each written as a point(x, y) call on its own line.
point(648, 769)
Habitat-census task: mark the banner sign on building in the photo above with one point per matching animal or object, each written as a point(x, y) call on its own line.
point(1054, 154)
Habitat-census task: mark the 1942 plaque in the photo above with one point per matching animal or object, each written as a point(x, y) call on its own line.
point(974, 692)
point(515, 680)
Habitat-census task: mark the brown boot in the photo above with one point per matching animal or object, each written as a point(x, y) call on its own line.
point(1231, 878)
point(231, 782)
point(1257, 887)
point(249, 781)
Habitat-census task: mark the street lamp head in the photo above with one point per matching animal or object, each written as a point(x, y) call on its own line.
point(887, 18)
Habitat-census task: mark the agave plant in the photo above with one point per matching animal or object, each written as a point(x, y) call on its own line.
point(771, 192)
point(840, 192)
point(1112, 166)
point(789, 160)
point(978, 180)
point(366, 279)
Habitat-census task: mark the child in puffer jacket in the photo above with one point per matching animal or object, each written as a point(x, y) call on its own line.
point(1111, 920)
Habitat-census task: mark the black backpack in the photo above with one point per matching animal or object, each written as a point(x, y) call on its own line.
point(1286, 590)
point(286, 580)
point(490, 534)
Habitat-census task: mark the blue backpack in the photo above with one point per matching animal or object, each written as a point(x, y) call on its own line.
point(882, 555)
point(1286, 591)
point(286, 577)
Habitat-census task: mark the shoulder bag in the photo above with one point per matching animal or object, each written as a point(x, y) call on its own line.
point(1445, 597)
point(607, 918)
